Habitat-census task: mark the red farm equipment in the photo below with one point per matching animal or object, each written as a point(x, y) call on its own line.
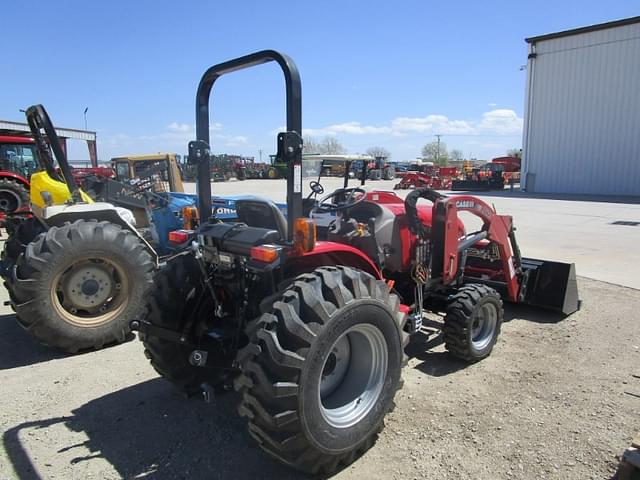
point(430, 176)
point(490, 176)
point(310, 325)
point(17, 162)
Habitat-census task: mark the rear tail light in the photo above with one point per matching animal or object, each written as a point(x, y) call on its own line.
point(265, 253)
point(178, 237)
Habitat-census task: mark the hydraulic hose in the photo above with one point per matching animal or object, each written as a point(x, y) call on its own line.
point(410, 206)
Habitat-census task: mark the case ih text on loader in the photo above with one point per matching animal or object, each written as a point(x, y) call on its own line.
point(312, 331)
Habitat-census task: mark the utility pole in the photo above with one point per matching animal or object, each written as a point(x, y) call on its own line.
point(85, 117)
point(260, 152)
point(438, 151)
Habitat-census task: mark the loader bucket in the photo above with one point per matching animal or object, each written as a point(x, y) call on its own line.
point(551, 285)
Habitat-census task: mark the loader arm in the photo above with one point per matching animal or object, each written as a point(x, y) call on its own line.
point(496, 228)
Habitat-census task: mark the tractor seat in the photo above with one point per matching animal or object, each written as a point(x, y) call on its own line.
point(262, 213)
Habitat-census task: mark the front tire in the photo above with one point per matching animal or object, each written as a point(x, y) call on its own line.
point(322, 368)
point(473, 321)
point(78, 286)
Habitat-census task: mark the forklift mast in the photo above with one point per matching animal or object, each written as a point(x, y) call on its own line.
point(289, 142)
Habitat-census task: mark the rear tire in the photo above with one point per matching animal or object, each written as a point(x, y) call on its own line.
point(78, 286)
point(314, 394)
point(13, 195)
point(177, 287)
point(473, 321)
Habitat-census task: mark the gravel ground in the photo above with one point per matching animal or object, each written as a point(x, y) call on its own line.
point(557, 399)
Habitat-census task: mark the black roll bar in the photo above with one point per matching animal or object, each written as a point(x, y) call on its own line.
point(293, 153)
point(38, 118)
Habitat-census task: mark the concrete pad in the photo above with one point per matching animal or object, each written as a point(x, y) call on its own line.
point(564, 230)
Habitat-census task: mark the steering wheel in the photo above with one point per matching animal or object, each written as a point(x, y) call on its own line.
point(339, 200)
point(316, 188)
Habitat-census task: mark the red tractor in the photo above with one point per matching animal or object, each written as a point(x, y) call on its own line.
point(17, 162)
point(310, 324)
point(431, 176)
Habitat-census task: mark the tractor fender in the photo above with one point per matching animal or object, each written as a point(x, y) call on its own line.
point(331, 254)
point(57, 215)
point(15, 177)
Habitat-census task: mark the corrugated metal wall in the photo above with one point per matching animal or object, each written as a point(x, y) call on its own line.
point(582, 118)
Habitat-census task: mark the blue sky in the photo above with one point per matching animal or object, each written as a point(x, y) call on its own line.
point(389, 74)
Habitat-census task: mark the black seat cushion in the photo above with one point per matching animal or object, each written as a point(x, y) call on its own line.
point(262, 213)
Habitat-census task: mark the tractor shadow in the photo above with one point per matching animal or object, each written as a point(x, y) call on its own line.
point(148, 430)
point(440, 363)
point(518, 311)
point(18, 348)
point(433, 363)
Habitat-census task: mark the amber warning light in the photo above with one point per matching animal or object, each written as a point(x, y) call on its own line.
point(304, 235)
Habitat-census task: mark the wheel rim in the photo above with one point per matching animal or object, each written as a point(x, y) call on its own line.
point(484, 323)
point(9, 201)
point(353, 375)
point(90, 292)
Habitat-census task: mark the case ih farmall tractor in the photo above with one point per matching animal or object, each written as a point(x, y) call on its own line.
point(312, 332)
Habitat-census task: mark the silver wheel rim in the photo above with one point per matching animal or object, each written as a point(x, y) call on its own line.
point(483, 326)
point(353, 375)
point(9, 200)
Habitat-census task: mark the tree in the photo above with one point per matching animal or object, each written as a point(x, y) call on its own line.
point(456, 155)
point(327, 146)
point(436, 154)
point(514, 152)
point(331, 146)
point(378, 152)
point(310, 145)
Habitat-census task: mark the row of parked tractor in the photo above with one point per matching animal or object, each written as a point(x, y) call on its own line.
point(493, 175)
point(304, 308)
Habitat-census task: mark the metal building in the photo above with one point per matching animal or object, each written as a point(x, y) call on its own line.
point(582, 111)
point(7, 127)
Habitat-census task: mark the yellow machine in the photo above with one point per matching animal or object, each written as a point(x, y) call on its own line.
point(45, 191)
point(160, 170)
point(78, 270)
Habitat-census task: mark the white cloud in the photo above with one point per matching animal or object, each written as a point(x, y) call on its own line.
point(431, 123)
point(233, 141)
point(494, 122)
point(174, 137)
point(179, 127)
point(492, 105)
point(500, 122)
point(349, 128)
